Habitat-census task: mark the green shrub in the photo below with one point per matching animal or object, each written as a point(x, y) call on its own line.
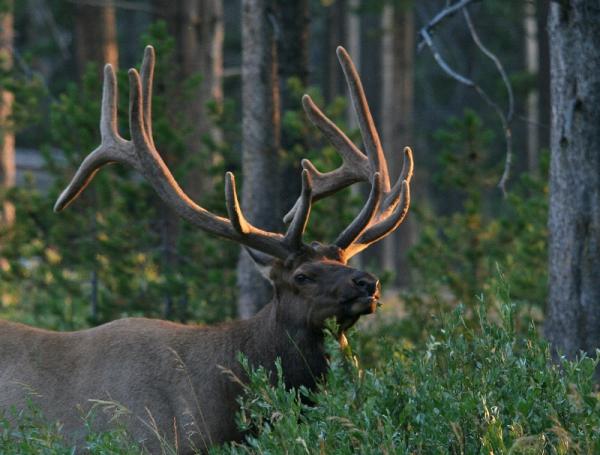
point(27, 432)
point(108, 256)
point(461, 245)
point(467, 389)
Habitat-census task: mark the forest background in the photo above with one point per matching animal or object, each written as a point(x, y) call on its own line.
point(479, 217)
point(121, 252)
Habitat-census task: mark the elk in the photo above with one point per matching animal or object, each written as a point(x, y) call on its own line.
point(176, 380)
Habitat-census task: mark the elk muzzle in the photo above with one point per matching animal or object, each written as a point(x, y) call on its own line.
point(365, 294)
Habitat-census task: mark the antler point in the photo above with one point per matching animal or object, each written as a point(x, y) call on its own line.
point(230, 181)
point(306, 181)
point(307, 101)
point(149, 52)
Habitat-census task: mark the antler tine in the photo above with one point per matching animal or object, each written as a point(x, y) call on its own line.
point(364, 117)
point(393, 212)
point(352, 157)
point(147, 74)
point(108, 109)
point(384, 227)
point(366, 215)
point(237, 218)
point(113, 148)
point(406, 174)
point(355, 165)
point(294, 233)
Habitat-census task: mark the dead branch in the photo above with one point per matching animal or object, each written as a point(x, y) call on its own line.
point(505, 118)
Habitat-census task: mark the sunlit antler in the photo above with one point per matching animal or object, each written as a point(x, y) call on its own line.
point(387, 205)
point(141, 154)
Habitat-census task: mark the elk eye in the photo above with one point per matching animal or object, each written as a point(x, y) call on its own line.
point(302, 278)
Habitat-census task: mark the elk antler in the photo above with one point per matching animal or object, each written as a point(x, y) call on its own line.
point(386, 206)
point(141, 154)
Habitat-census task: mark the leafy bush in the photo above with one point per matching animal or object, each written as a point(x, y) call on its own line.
point(110, 255)
point(27, 432)
point(462, 245)
point(482, 389)
point(477, 389)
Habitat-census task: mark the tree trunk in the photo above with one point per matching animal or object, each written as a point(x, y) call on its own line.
point(532, 104)
point(95, 36)
point(543, 79)
point(397, 121)
point(197, 26)
point(260, 141)
point(7, 137)
point(335, 26)
point(292, 62)
point(573, 319)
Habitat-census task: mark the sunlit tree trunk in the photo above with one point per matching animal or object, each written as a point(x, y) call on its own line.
point(95, 35)
point(397, 120)
point(573, 316)
point(7, 137)
point(260, 136)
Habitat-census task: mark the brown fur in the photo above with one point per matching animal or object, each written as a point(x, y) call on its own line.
point(180, 376)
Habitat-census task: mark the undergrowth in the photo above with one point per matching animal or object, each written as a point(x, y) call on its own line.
point(468, 389)
point(482, 389)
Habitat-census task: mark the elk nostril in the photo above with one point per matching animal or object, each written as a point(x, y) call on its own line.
point(366, 283)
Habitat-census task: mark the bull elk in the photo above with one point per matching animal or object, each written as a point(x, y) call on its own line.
point(173, 375)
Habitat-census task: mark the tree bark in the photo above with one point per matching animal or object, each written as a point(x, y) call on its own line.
point(95, 36)
point(336, 25)
point(197, 26)
point(573, 316)
point(544, 73)
point(397, 121)
point(260, 141)
point(292, 62)
point(7, 137)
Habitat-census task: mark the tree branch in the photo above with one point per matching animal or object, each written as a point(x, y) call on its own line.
point(505, 119)
point(448, 11)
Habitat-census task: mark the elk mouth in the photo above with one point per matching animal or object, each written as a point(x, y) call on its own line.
point(361, 305)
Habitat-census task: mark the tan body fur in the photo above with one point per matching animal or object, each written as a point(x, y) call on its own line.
point(167, 375)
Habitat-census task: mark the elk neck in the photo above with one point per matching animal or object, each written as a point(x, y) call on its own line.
point(300, 348)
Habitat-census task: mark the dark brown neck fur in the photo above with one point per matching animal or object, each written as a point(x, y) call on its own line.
point(300, 348)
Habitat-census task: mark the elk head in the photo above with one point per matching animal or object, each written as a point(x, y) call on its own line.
point(311, 282)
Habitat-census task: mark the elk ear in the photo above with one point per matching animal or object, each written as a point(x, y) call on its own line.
point(263, 262)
